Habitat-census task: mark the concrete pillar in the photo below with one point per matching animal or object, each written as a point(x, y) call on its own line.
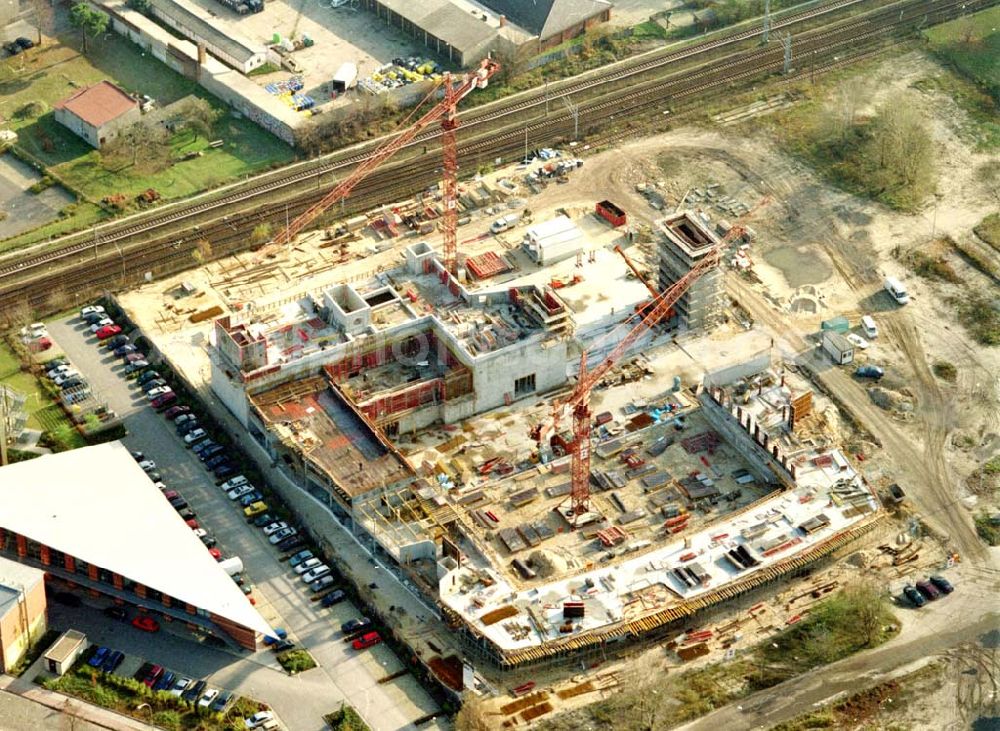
point(69, 562)
point(739, 415)
point(46, 555)
point(189, 608)
point(22, 546)
point(117, 581)
point(756, 433)
point(140, 590)
point(791, 470)
point(165, 599)
point(767, 440)
point(774, 452)
point(92, 572)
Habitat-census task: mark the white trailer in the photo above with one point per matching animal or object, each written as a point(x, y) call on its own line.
point(840, 349)
point(345, 78)
point(232, 565)
point(553, 240)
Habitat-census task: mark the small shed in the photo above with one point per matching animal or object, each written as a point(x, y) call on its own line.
point(840, 349)
point(553, 240)
point(65, 651)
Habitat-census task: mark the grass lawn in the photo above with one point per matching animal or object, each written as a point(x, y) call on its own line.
point(48, 74)
point(971, 44)
point(43, 413)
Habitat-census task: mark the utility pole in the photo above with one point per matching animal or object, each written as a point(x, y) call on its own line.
point(575, 111)
point(525, 143)
point(788, 53)
point(4, 411)
point(767, 20)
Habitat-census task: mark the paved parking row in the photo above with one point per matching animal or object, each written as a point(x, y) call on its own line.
point(343, 673)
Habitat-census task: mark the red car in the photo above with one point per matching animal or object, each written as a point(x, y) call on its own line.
point(146, 624)
point(39, 345)
point(192, 524)
point(108, 331)
point(162, 402)
point(215, 553)
point(153, 675)
point(365, 641)
point(174, 411)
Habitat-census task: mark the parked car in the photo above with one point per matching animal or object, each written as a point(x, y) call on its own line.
point(101, 324)
point(132, 357)
point(195, 436)
point(321, 584)
point(258, 719)
point(218, 459)
point(261, 520)
point(201, 447)
point(146, 624)
point(292, 543)
point(269, 530)
point(178, 503)
point(180, 686)
point(869, 371)
point(225, 470)
point(76, 397)
point(206, 454)
point(187, 514)
point(158, 391)
point(353, 626)
point(147, 465)
point(163, 401)
point(176, 411)
point(116, 341)
point(146, 377)
point(206, 699)
point(194, 691)
point(134, 369)
point(282, 646)
point(942, 584)
point(254, 508)
point(300, 557)
point(57, 370)
point(67, 598)
point(153, 675)
point(237, 481)
point(281, 535)
point(127, 349)
point(99, 656)
point(334, 597)
point(114, 612)
point(112, 661)
point(307, 565)
point(365, 641)
point(24, 43)
point(184, 419)
point(186, 427)
point(928, 590)
point(238, 492)
point(210, 544)
point(317, 572)
point(915, 597)
point(250, 499)
point(71, 383)
point(108, 331)
point(220, 703)
point(60, 378)
point(91, 309)
point(165, 682)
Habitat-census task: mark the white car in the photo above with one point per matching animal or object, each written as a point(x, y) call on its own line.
point(147, 465)
point(281, 535)
point(234, 482)
point(180, 686)
point(317, 573)
point(272, 528)
point(195, 436)
point(103, 322)
point(200, 533)
point(66, 376)
point(308, 565)
point(210, 695)
point(59, 370)
point(258, 719)
point(237, 492)
point(35, 330)
point(858, 341)
point(91, 310)
point(154, 393)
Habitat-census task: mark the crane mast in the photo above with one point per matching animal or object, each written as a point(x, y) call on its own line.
point(444, 111)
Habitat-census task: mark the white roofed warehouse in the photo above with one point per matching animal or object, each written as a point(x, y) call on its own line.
point(92, 519)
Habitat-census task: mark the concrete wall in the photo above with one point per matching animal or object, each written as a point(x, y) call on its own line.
point(14, 635)
point(493, 374)
point(97, 137)
point(757, 363)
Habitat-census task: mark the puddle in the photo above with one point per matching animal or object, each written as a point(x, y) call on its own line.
point(800, 265)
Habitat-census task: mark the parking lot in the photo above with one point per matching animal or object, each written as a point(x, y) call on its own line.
point(281, 597)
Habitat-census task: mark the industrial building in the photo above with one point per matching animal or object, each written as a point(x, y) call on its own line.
point(97, 113)
point(195, 24)
point(684, 240)
point(464, 31)
point(90, 545)
point(22, 610)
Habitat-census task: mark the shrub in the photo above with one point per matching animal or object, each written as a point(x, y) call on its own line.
point(945, 371)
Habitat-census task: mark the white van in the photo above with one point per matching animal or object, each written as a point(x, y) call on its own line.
point(868, 327)
point(896, 290)
point(505, 222)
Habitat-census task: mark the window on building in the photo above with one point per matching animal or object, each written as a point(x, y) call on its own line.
point(524, 385)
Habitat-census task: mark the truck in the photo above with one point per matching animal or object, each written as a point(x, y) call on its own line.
point(839, 348)
point(232, 565)
point(896, 290)
point(345, 78)
point(504, 223)
point(244, 6)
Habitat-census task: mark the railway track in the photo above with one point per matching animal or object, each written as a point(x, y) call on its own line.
point(105, 263)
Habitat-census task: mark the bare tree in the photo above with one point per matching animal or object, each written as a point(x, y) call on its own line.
point(473, 715)
point(903, 150)
point(199, 117)
point(139, 137)
point(867, 601)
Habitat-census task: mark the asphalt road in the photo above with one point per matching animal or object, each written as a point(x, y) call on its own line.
point(281, 597)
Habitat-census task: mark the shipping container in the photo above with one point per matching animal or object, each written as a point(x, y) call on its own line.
point(611, 213)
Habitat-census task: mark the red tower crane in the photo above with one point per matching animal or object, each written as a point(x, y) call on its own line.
point(446, 112)
point(579, 399)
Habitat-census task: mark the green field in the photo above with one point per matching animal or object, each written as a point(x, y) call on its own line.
point(31, 83)
point(972, 45)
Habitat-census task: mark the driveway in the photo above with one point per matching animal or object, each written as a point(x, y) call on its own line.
point(26, 210)
point(300, 701)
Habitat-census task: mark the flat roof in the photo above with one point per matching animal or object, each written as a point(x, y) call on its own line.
point(98, 104)
point(97, 504)
point(192, 17)
point(14, 578)
point(65, 645)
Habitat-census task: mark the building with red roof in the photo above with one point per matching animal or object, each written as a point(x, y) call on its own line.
point(98, 113)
